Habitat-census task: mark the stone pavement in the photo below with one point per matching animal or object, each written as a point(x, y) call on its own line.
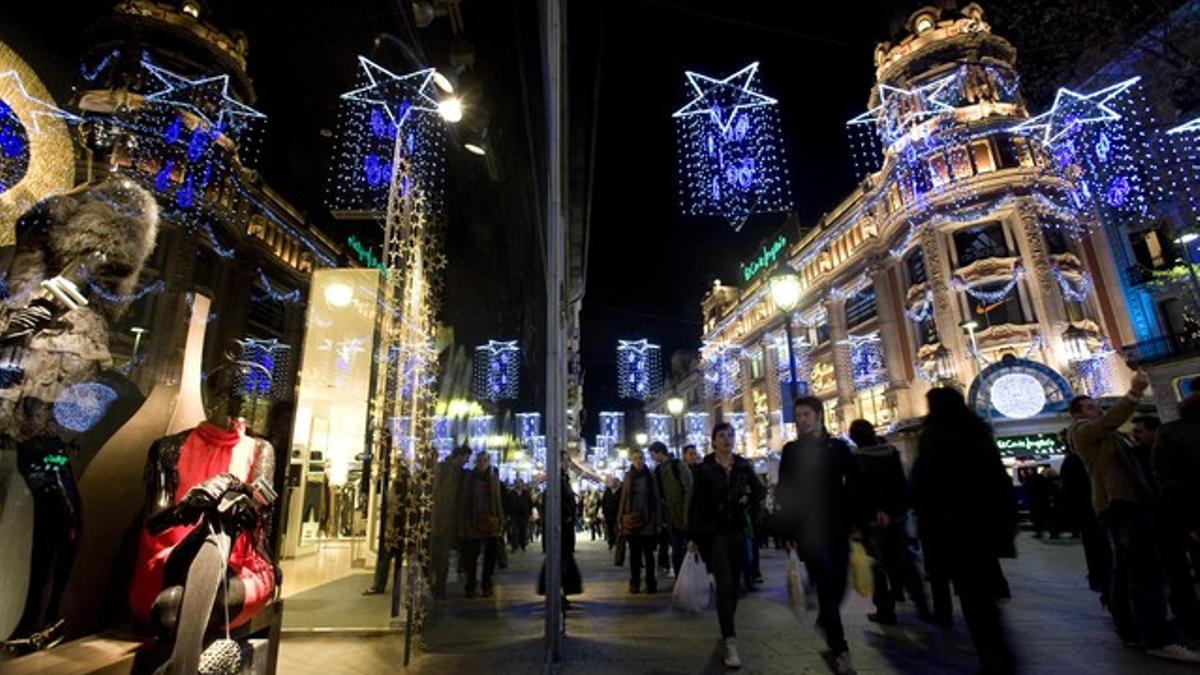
point(1056, 624)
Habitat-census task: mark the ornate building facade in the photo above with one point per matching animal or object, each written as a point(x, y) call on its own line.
point(961, 258)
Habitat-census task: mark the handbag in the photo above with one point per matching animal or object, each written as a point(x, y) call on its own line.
point(861, 576)
point(796, 592)
point(633, 521)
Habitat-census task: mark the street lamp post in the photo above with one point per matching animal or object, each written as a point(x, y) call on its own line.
point(785, 292)
point(675, 406)
point(969, 326)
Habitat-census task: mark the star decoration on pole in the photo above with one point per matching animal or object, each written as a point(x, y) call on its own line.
point(208, 97)
point(722, 99)
point(911, 106)
point(35, 107)
point(1072, 110)
point(398, 95)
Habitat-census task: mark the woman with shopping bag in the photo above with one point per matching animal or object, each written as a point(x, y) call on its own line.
point(640, 519)
point(726, 491)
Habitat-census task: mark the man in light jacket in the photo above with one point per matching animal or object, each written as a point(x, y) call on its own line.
point(675, 483)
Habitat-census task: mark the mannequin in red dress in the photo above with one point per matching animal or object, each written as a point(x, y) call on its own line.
point(207, 501)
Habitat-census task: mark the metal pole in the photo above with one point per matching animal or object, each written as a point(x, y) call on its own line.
point(791, 359)
point(556, 315)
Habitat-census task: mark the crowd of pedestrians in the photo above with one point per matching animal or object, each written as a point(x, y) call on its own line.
point(934, 531)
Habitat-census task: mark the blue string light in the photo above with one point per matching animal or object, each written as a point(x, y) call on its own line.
point(696, 426)
point(730, 159)
point(81, 406)
point(866, 360)
point(1072, 111)
point(990, 297)
point(658, 427)
point(128, 298)
point(529, 424)
point(722, 370)
point(612, 426)
point(38, 109)
point(276, 295)
point(1070, 291)
point(639, 369)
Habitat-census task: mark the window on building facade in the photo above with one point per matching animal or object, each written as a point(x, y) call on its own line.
point(756, 366)
point(818, 333)
point(981, 152)
point(832, 425)
point(1057, 241)
point(939, 169)
point(915, 264)
point(979, 242)
point(860, 307)
point(1152, 248)
point(960, 163)
point(1006, 310)
point(871, 405)
point(927, 331)
point(1074, 310)
point(1014, 151)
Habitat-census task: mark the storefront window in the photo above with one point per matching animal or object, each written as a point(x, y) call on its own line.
point(979, 242)
point(915, 264)
point(989, 310)
point(860, 307)
point(871, 404)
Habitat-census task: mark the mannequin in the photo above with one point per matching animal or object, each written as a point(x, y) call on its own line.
point(209, 497)
point(77, 257)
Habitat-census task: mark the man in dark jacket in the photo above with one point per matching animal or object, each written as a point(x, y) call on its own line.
point(610, 505)
point(675, 483)
point(1175, 461)
point(885, 503)
point(443, 528)
point(519, 510)
point(481, 522)
point(819, 484)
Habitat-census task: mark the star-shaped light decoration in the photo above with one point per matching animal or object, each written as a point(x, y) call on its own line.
point(208, 97)
point(1186, 127)
point(398, 95)
point(722, 99)
point(1072, 110)
point(34, 107)
point(912, 106)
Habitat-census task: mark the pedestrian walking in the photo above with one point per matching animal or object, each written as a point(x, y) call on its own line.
point(641, 521)
point(726, 488)
point(1124, 500)
point(1037, 491)
point(610, 506)
point(675, 481)
point(1080, 517)
point(884, 498)
point(444, 521)
point(963, 499)
point(482, 523)
point(818, 490)
point(520, 511)
point(1176, 462)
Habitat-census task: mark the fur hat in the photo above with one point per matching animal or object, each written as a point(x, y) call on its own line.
point(117, 217)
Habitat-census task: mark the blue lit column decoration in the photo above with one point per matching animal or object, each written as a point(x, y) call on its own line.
point(639, 369)
point(443, 438)
point(658, 427)
point(738, 421)
point(722, 370)
point(695, 426)
point(612, 425)
point(731, 162)
point(497, 370)
point(866, 360)
point(479, 429)
point(529, 425)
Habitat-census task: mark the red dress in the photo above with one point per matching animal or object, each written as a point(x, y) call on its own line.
point(191, 458)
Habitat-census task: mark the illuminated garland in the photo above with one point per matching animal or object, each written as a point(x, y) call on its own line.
point(119, 299)
point(722, 370)
point(1072, 293)
point(866, 359)
point(731, 162)
point(291, 296)
point(989, 297)
point(923, 310)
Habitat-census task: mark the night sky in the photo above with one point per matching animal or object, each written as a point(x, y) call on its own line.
point(648, 266)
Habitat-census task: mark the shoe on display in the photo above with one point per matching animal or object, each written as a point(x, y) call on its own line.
point(842, 664)
point(731, 659)
point(1175, 652)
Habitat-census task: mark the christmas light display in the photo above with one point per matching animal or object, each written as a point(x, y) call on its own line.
point(612, 426)
point(529, 424)
point(497, 367)
point(38, 109)
point(267, 376)
point(639, 369)
point(800, 354)
point(866, 360)
point(722, 370)
point(1072, 110)
point(658, 427)
point(993, 296)
point(731, 162)
point(1072, 291)
point(695, 425)
point(479, 429)
point(14, 148)
point(1018, 395)
point(738, 422)
point(203, 96)
point(389, 117)
point(290, 296)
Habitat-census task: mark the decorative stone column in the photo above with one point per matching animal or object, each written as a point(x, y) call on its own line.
point(835, 315)
point(945, 305)
point(1046, 297)
point(892, 332)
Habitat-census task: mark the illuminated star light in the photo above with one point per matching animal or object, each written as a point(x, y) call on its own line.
point(1072, 110)
point(389, 90)
point(722, 100)
point(192, 94)
point(1186, 127)
point(40, 108)
point(927, 105)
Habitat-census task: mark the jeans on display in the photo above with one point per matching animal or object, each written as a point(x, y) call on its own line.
point(641, 552)
point(1136, 598)
point(471, 549)
point(827, 567)
point(725, 556)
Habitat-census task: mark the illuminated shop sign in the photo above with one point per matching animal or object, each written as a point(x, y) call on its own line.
point(1030, 444)
point(770, 253)
point(363, 253)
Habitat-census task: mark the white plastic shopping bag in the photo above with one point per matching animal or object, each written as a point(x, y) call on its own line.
point(795, 587)
point(691, 586)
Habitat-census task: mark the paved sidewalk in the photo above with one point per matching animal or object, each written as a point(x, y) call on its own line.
point(1057, 627)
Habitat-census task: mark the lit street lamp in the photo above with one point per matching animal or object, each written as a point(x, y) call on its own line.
point(641, 438)
point(675, 406)
point(969, 326)
point(785, 292)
